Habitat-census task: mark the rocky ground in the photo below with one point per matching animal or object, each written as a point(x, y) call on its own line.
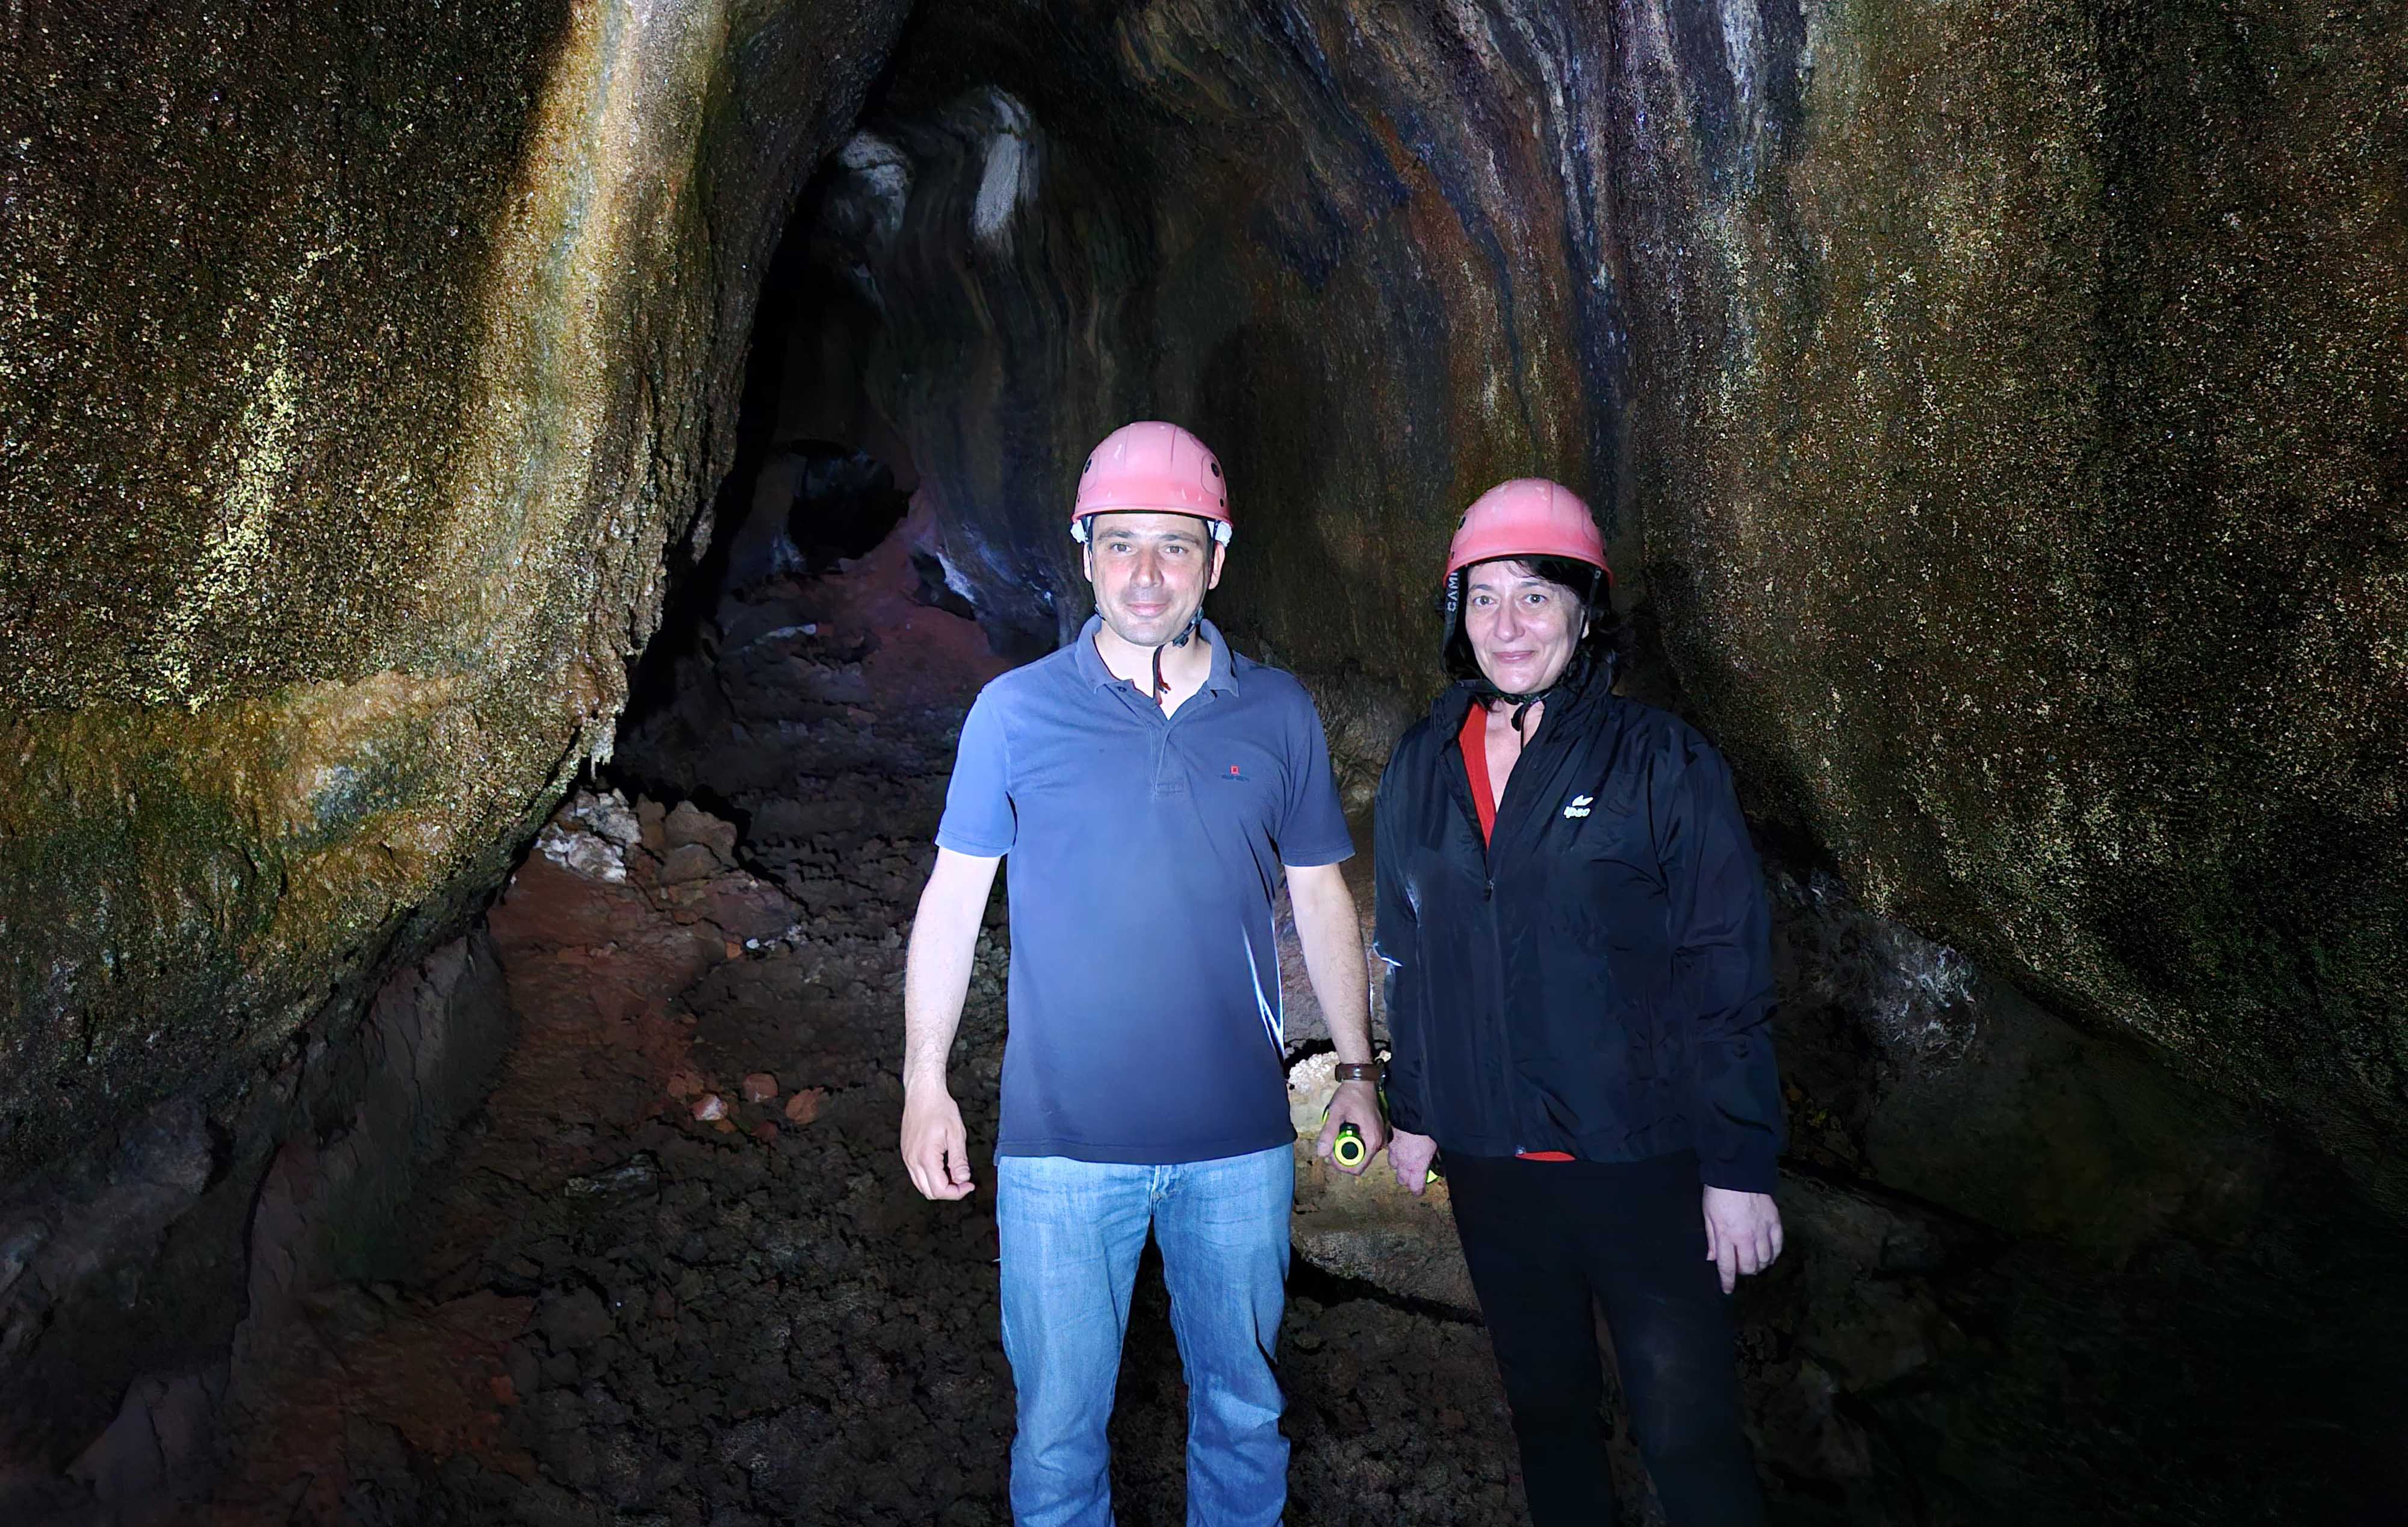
point(672, 1272)
point(625, 1313)
point(618, 1311)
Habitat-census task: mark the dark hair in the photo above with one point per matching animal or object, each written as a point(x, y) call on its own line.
point(1600, 650)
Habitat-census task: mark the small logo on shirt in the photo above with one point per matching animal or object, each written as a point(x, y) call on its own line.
point(1578, 809)
point(1235, 773)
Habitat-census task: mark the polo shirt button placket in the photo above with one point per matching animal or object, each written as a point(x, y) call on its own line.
point(1170, 779)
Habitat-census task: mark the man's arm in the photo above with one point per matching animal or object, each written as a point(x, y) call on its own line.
point(1325, 925)
point(936, 979)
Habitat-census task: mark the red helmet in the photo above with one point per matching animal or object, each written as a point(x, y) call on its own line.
point(1151, 466)
point(1528, 517)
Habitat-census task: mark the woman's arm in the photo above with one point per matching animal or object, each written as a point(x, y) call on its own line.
point(1722, 970)
point(1392, 939)
point(1722, 985)
point(1395, 938)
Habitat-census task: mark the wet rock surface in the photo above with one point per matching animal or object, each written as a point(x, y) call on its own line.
point(2013, 423)
point(362, 382)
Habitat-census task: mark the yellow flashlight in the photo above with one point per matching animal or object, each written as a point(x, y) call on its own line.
point(1347, 1149)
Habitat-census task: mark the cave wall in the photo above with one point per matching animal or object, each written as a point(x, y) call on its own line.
point(363, 370)
point(364, 367)
point(2018, 430)
point(1995, 409)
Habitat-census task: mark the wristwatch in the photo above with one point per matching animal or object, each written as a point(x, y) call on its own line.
point(1356, 1071)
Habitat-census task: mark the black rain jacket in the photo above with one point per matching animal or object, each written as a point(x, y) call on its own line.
point(1597, 981)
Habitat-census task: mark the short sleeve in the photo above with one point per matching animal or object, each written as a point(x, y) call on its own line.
point(979, 819)
point(1312, 825)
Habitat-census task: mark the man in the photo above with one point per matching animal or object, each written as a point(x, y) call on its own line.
point(1151, 787)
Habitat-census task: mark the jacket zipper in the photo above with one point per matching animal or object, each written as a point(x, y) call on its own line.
point(1521, 776)
point(1458, 782)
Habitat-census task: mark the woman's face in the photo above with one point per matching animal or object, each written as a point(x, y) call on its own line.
point(1522, 629)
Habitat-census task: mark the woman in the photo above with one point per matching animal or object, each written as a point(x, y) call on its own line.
point(1575, 929)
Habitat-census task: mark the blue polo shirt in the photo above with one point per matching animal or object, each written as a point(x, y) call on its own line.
point(1145, 1008)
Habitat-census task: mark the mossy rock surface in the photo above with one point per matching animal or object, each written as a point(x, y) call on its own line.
point(364, 369)
point(2020, 450)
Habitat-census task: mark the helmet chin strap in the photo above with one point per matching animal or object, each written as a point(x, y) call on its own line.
point(1161, 685)
point(1491, 694)
point(1213, 534)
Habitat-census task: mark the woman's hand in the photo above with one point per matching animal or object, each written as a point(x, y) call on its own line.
point(1742, 1230)
point(1412, 1156)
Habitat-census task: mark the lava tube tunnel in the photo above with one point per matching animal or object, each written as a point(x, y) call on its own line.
point(513, 507)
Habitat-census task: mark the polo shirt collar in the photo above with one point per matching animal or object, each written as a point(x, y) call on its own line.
point(1092, 669)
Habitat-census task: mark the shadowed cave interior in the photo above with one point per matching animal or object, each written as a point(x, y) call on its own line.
point(456, 894)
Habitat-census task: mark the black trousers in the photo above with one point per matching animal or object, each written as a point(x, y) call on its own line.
point(1546, 1238)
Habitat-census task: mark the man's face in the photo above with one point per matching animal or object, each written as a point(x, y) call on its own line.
point(1150, 572)
point(1522, 629)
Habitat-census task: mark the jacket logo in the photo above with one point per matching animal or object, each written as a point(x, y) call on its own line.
point(1578, 809)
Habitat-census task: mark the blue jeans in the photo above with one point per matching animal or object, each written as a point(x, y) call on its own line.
point(1071, 1233)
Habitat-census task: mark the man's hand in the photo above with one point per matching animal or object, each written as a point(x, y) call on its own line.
point(1412, 1156)
point(1742, 1233)
point(1356, 1103)
point(1332, 937)
point(935, 1146)
point(936, 978)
